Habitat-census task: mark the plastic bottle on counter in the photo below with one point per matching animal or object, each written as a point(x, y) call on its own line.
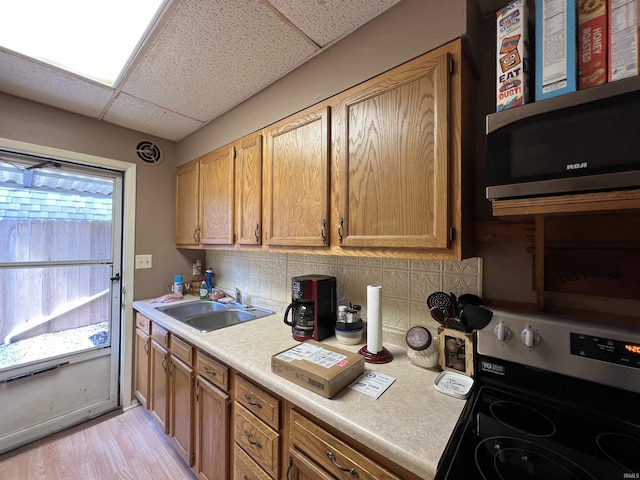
point(208, 278)
point(204, 291)
point(177, 284)
point(342, 314)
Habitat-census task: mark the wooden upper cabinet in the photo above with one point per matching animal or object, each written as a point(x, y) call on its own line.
point(296, 180)
point(217, 176)
point(249, 190)
point(391, 158)
point(187, 231)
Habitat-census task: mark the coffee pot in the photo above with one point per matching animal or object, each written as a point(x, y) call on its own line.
point(312, 311)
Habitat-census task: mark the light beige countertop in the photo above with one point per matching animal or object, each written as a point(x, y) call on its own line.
point(410, 423)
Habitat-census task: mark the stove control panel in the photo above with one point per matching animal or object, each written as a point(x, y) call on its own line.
point(598, 352)
point(606, 349)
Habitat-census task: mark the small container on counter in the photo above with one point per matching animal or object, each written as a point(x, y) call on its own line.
point(348, 328)
point(177, 284)
point(422, 347)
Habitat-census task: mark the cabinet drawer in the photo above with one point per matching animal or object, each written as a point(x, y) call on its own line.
point(212, 370)
point(143, 323)
point(160, 335)
point(182, 350)
point(257, 439)
point(264, 405)
point(333, 454)
point(244, 468)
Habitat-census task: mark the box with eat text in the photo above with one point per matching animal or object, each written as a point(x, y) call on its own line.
point(592, 43)
point(555, 48)
point(513, 72)
point(321, 368)
point(623, 39)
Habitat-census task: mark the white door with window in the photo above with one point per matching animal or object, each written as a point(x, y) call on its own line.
point(60, 300)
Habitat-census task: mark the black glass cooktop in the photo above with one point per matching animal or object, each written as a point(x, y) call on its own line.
point(511, 435)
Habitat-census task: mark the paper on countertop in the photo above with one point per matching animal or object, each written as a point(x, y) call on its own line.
point(373, 384)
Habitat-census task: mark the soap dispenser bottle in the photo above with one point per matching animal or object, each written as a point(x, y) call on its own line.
point(204, 291)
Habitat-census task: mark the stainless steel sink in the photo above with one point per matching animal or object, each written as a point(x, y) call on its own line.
point(207, 316)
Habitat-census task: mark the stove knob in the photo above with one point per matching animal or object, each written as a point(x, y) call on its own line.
point(530, 338)
point(502, 332)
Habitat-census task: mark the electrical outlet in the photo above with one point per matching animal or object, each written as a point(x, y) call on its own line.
point(143, 261)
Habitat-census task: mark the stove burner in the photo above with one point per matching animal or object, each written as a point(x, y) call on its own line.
point(621, 449)
point(510, 458)
point(522, 418)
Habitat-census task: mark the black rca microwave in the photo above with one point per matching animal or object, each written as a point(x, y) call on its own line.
point(586, 141)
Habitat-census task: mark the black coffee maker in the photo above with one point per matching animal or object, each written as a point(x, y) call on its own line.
point(313, 307)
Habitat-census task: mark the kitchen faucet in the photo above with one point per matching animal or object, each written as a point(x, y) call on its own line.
point(238, 297)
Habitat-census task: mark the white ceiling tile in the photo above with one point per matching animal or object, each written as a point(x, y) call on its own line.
point(326, 20)
point(25, 78)
point(145, 117)
point(212, 55)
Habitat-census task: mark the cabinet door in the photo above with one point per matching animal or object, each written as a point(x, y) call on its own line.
point(249, 191)
point(216, 197)
point(297, 180)
point(181, 408)
point(159, 378)
point(187, 204)
point(141, 372)
point(303, 468)
point(391, 159)
point(212, 431)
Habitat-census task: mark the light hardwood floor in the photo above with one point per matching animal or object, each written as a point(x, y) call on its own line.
point(126, 446)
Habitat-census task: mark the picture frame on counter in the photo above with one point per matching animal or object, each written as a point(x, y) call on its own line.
point(457, 350)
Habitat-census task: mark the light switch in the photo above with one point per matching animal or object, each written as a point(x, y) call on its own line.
point(143, 261)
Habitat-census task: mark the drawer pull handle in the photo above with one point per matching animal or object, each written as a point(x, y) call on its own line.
point(251, 441)
point(247, 397)
point(209, 371)
point(332, 457)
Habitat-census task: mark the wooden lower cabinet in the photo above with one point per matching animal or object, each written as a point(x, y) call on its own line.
point(256, 430)
point(332, 454)
point(302, 468)
point(181, 413)
point(141, 360)
point(159, 383)
point(245, 468)
point(211, 431)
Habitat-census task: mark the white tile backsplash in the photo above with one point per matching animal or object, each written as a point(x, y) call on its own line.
point(265, 279)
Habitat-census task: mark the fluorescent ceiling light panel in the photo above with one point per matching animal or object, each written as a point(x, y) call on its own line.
point(92, 38)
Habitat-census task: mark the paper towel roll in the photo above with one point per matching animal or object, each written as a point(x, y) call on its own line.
point(374, 318)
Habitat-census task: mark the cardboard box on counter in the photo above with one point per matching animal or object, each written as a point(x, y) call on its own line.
point(321, 368)
point(623, 39)
point(513, 71)
point(555, 48)
point(592, 43)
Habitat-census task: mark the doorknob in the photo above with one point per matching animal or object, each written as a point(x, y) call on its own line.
point(116, 278)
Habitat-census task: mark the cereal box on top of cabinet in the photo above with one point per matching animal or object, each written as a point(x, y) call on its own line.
point(623, 39)
point(513, 72)
point(592, 43)
point(555, 48)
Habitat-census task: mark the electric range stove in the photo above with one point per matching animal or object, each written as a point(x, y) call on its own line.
point(554, 398)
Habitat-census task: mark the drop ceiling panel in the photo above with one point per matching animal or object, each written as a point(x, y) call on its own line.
point(146, 117)
point(30, 79)
point(210, 56)
point(325, 20)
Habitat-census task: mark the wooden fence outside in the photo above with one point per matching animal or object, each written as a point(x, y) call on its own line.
point(29, 294)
